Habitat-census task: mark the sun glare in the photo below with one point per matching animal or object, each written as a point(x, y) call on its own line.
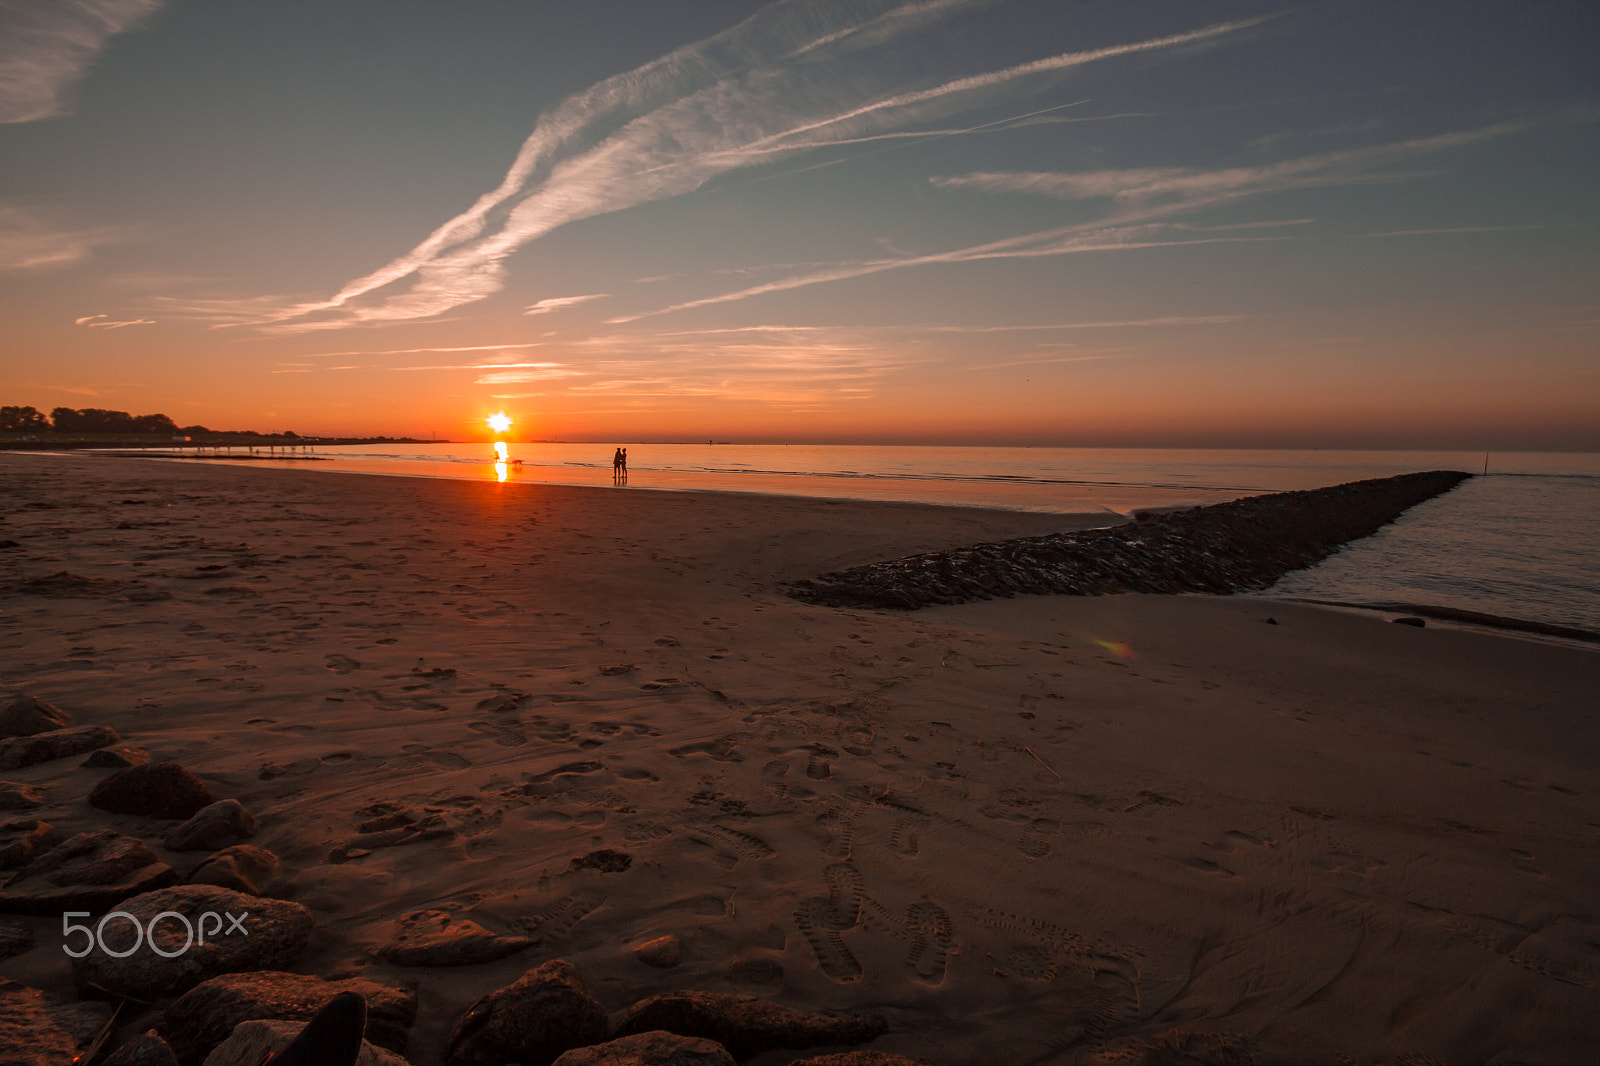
point(499, 421)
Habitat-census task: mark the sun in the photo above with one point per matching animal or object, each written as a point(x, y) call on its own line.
point(499, 421)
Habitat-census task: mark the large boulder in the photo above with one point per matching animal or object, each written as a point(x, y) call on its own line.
point(154, 790)
point(433, 938)
point(116, 757)
point(207, 1014)
point(253, 1041)
point(746, 1025)
point(20, 841)
point(16, 796)
point(28, 1035)
point(531, 1021)
point(147, 1049)
point(654, 1048)
point(25, 716)
point(92, 871)
point(226, 932)
point(15, 937)
point(243, 868)
point(17, 752)
point(216, 826)
point(38, 1030)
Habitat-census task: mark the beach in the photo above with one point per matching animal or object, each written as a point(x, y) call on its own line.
point(1045, 829)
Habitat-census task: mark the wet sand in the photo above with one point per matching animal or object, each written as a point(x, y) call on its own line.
point(1035, 830)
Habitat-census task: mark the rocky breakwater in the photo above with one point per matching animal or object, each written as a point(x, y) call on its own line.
point(1223, 548)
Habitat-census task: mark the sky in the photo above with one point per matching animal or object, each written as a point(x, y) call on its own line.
point(1370, 225)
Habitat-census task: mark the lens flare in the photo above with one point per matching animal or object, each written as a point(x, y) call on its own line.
point(499, 421)
point(1119, 648)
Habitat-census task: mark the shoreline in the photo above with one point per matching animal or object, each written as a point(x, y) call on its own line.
point(1076, 520)
point(1045, 829)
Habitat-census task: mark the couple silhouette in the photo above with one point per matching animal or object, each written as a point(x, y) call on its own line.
point(619, 466)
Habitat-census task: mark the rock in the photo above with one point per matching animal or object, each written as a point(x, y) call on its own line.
point(28, 1035)
point(146, 1050)
point(15, 937)
point(1410, 620)
point(16, 796)
point(1238, 546)
point(243, 868)
point(155, 790)
point(432, 938)
point(92, 871)
point(17, 752)
point(25, 716)
point(664, 952)
point(222, 823)
point(531, 1021)
point(654, 1048)
point(746, 1025)
point(252, 1041)
point(239, 932)
point(207, 1014)
point(20, 841)
point(606, 860)
point(860, 1058)
point(116, 757)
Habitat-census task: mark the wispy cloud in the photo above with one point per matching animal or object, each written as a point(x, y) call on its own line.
point(46, 46)
point(782, 81)
point(106, 322)
point(1067, 240)
point(1449, 229)
point(1143, 200)
point(548, 372)
point(291, 367)
point(1189, 187)
point(556, 303)
point(30, 240)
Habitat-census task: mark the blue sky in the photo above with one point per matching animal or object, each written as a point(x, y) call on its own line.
point(1095, 223)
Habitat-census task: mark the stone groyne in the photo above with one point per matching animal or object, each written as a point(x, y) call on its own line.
point(1229, 547)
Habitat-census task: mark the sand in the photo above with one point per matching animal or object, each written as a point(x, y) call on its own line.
point(1037, 830)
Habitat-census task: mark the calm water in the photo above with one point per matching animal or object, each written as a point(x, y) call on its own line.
point(1518, 543)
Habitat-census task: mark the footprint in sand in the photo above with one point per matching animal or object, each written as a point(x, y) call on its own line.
point(822, 919)
point(844, 894)
point(837, 821)
point(929, 925)
point(341, 664)
point(1033, 846)
point(508, 735)
point(748, 845)
point(554, 923)
point(723, 749)
point(817, 767)
point(773, 774)
point(814, 917)
point(903, 840)
point(639, 832)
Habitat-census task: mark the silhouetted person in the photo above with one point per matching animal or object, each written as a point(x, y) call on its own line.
point(619, 466)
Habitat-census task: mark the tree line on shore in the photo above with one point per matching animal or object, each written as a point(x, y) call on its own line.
point(66, 420)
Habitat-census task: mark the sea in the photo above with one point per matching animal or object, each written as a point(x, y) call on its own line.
point(1518, 542)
